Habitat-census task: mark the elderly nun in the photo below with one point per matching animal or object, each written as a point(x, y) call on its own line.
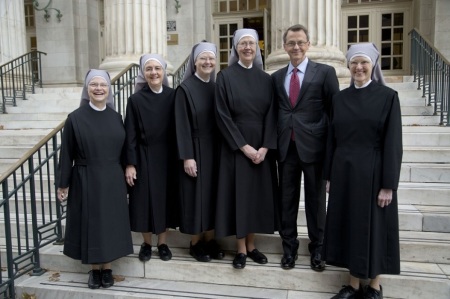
point(92, 182)
point(364, 156)
point(151, 156)
point(197, 152)
point(245, 114)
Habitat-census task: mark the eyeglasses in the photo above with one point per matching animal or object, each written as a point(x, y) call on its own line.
point(299, 43)
point(362, 63)
point(101, 85)
point(246, 44)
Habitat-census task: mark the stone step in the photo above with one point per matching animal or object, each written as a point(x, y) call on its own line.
point(417, 110)
point(32, 116)
point(32, 124)
point(28, 137)
point(433, 194)
point(423, 154)
point(420, 120)
point(417, 280)
point(425, 173)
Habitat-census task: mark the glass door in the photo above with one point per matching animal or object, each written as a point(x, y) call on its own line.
point(224, 37)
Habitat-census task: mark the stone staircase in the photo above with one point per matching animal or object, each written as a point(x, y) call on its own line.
point(424, 208)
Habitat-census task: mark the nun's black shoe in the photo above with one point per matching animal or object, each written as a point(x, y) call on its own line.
point(239, 261)
point(257, 256)
point(198, 252)
point(107, 278)
point(214, 250)
point(371, 293)
point(145, 253)
point(164, 252)
point(95, 279)
point(348, 292)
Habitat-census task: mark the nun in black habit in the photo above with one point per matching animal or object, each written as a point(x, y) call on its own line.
point(197, 150)
point(364, 156)
point(246, 118)
point(151, 156)
point(91, 180)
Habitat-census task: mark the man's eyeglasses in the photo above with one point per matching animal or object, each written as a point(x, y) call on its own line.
point(101, 85)
point(299, 43)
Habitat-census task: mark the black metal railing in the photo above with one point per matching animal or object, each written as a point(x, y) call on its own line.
point(19, 76)
point(32, 215)
point(177, 76)
point(432, 72)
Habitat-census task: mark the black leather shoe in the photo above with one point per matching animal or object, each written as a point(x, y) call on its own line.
point(145, 253)
point(257, 256)
point(214, 251)
point(348, 292)
point(288, 261)
point(164, 252)
point(317, 264)
point(371, 293)
point(198, 252)
point(107, 278)
point(95, 279)
point(239, 261)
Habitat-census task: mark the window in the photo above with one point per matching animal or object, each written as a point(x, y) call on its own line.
point(392, 29)
point(29, 15)
point(224, 6)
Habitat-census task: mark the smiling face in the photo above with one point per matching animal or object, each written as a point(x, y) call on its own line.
point(205, 64)
point(154, 74)
point(360, 69)
point(296, 45)
point(98, 90)
point(246, 49)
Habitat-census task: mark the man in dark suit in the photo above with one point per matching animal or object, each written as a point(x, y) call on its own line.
point(303, 112)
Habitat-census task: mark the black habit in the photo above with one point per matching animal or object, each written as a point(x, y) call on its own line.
point(151, 148)
point(97, 224)
point(364, 155)
point(197, 139)
point(245, 114)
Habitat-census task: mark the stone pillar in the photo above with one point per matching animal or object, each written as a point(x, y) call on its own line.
point(12, 30)
point(133, 28)
point(322, 18)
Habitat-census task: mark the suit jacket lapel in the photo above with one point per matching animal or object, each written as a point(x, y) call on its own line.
point(307, 79)
point(280, 82)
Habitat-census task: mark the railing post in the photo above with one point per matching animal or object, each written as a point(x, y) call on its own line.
point(8, 237)
point(60, 240)
point(37, 270)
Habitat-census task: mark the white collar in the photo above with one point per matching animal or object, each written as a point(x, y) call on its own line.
point(364, 85)
point(96, 108)
point(243, 65)
point(196, 75)
point(156, 91)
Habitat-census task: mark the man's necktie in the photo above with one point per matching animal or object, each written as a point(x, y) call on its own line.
point(294, 87)
point(294, 90)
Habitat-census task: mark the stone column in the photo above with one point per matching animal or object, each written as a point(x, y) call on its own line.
point(12, 30)
point(133, 28)
point(322, 18)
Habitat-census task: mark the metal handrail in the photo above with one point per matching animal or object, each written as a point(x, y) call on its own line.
point(19, 76)
point(431, 70)
point(177, 76)
point(28, 191)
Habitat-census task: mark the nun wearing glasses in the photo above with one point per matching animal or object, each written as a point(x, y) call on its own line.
point(364, 155)
point(246, 118)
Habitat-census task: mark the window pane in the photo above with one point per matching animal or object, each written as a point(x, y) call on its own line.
point(363, 21)
point(398, 33)
point(262, 4)
point(233, 28)
point(223, 30)
point(386, 63)
point(386, 20)
point(398, 19)
point(363, 36)
point(352, 22)
point(352, 36)
point(233, 5)
point(385, 49)
point(223, 43)
point(352, 1)
point(242, 5)
point(224, 56)
point(386, 34)
point(398, 48)
point(223, 6)
point(398, 63)
point(252, 4)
